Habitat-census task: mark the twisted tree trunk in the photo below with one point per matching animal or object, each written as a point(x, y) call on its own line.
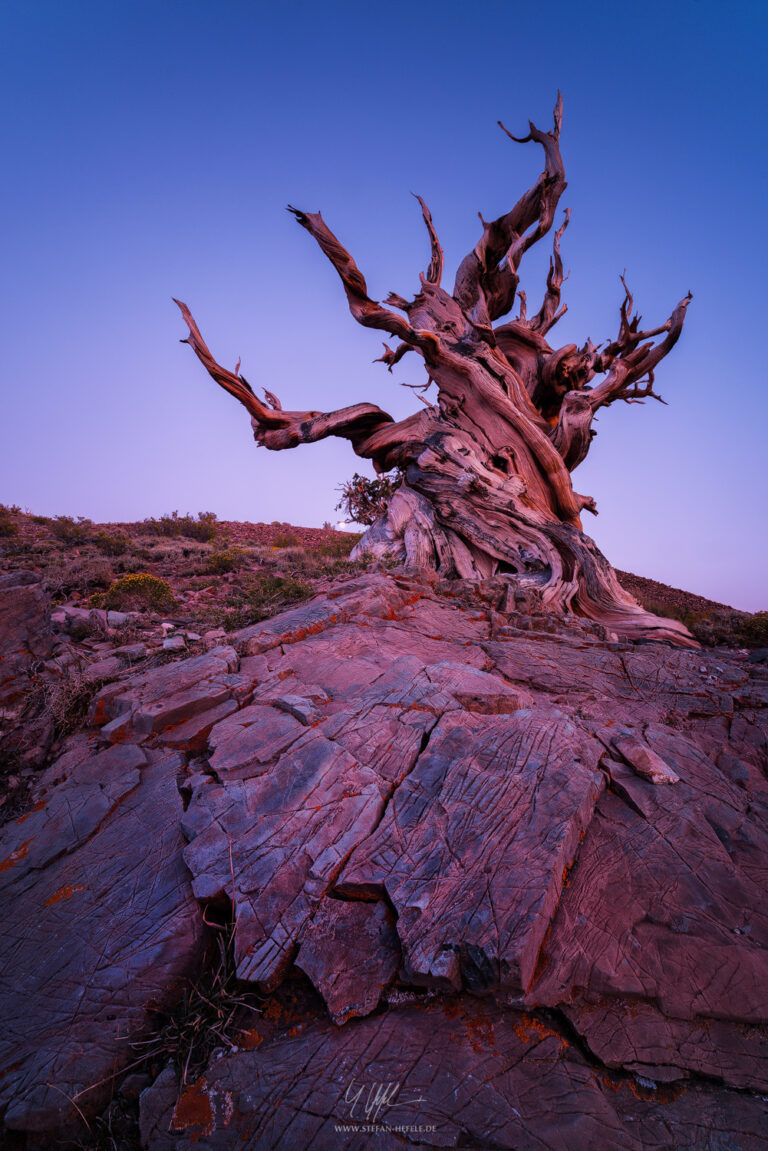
point(488, 464)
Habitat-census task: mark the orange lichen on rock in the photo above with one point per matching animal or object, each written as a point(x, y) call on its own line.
point(65, 892)
point(529, 1030)
point(480, 1032)
point(193, 1110)
point(251, 1039)
point(38, 807)
point(15, 856)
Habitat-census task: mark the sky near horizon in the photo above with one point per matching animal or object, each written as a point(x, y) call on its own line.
point(151, 148)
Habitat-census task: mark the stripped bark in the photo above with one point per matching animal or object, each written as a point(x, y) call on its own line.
point(488, 464)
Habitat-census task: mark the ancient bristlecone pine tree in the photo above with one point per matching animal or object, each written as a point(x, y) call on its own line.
point(488, 464)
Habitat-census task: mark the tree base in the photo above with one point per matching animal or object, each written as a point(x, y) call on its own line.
point(559, 561)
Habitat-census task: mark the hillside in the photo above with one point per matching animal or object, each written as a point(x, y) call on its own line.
point(227, 573)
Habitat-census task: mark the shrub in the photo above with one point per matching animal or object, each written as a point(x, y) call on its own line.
point(94, 572)
point(203, 528)
point(68, 700)
point(212, 1012)
point(7, 525)
point(112, 543)
point(719, 628)
point(78, 576)
point(132, 563)
point(225, 560)
point(339, 547)
point(136, 593)
point(41, 520)
point(725, 628)
point(754, 628)
point(71, 531)
point(154, 554)
point(264, 597)
point(363, 500)
point(714, 626)
point(271, 588)
point(662, 608)
point(285, 540)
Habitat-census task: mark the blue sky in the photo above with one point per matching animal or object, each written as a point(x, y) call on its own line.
point(151, 149)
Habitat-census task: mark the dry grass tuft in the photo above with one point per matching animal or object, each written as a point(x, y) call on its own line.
point(212, 1011)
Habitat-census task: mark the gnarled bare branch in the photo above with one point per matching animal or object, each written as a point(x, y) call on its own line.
point(276, 429)
point(629, 360)
point(435, 269)
point(487, 279)
point(392, 357)
point(232, 382)
point(365, 310)
point(548, 314)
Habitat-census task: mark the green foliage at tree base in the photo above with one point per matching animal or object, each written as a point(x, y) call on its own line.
point(363, 500)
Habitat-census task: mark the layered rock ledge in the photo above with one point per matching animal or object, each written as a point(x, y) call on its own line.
point(514, 868)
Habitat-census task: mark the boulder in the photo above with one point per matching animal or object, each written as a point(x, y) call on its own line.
point(174, 643)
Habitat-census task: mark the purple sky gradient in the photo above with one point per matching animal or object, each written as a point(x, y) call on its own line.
point(150, 150)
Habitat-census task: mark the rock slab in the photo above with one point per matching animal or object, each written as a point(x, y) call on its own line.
point(99, 926)
point(513, 871)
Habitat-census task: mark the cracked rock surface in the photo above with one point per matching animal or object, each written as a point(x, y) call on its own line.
point(520, 868)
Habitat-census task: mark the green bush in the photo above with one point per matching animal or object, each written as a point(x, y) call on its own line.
point(363, 500)
point(112, 543)
point(203, 528)
point(285, 540)
point(136, 593)
point(71, 531)
point(225, 560)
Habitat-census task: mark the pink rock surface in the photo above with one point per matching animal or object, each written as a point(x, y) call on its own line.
point(350, 952)
point(475, 842)
point(459, 1074)
point(274, 844)
point(95, 932)
point(522, 865)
